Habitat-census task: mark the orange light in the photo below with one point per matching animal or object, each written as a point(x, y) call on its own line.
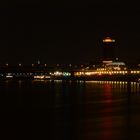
point(108, 39)
point(100, 74)
point(107, 61)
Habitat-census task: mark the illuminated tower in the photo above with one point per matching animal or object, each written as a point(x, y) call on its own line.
point(108, 51)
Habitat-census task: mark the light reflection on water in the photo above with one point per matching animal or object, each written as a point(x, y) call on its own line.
point(76, 110)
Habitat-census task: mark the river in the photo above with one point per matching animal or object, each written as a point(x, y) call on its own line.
point(70, 110)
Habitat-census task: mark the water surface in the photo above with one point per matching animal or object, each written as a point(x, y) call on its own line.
point(70, 110)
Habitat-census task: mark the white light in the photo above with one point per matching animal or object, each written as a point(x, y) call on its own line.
point(9, 76)
point(39, 77)
point(57, 73)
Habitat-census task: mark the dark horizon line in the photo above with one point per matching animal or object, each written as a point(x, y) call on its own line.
point(64, 64)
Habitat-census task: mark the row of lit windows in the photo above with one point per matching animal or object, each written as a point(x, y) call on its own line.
point(100, 72)
point(135, 72)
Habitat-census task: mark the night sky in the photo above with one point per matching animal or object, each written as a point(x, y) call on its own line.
point(67, 31)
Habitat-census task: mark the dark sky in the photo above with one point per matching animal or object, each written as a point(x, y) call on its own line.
point(67, 32)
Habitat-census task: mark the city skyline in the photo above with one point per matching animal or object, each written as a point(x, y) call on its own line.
point(67, 33)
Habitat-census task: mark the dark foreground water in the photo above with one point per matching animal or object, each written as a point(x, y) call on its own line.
point(67, 110)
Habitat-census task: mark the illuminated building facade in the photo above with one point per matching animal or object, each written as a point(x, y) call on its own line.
point(108, 50)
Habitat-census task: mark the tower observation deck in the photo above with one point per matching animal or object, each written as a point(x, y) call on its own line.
point(108, 49)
